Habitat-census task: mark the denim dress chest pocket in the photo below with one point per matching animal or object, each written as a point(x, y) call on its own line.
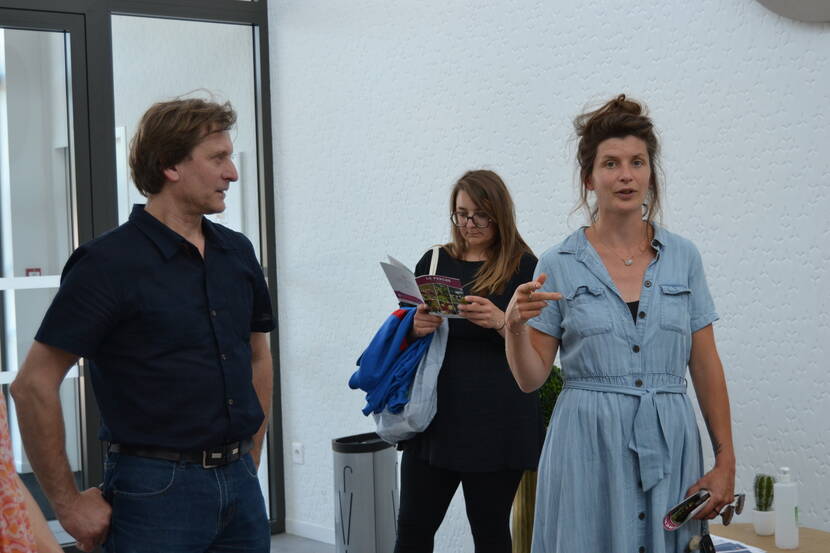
point(588, 311)
point(674, 307)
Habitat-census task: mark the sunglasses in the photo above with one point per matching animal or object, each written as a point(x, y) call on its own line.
point(734, 508)
point(683, 512)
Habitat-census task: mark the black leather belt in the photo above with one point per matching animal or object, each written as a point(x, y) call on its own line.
point(208, 458)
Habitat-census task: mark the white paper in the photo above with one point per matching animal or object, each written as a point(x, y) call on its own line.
point(403, 282)
point(733, 546)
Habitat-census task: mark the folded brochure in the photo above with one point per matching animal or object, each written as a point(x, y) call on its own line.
point(441, 294)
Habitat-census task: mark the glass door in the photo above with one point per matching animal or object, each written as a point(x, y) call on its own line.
point(160, 59)
point(37, 222)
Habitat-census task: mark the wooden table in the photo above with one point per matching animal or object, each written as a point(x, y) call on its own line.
point(809, 540)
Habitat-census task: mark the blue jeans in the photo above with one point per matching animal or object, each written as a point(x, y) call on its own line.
point(174, 507)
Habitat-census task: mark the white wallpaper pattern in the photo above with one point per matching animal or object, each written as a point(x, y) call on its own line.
point(379, 106)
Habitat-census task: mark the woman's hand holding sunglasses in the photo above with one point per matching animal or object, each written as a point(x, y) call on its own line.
point(720, 482)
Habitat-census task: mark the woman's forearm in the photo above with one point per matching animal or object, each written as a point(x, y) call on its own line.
point(714, 405)
point(522, 347)
point(710, 386)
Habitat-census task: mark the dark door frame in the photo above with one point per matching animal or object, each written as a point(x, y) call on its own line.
point(88, 23)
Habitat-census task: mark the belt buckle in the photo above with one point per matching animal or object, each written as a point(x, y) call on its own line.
point(215, 455)
point(235, 452)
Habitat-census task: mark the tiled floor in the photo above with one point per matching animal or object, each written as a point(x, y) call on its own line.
point(286, 543)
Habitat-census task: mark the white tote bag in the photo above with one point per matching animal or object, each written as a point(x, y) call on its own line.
point(423, 394)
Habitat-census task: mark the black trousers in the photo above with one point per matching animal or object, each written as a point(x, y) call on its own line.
point(426, 492)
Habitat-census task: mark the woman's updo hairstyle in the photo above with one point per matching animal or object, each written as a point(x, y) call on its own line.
point(618, 118)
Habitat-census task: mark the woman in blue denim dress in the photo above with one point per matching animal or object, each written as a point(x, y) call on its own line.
point(626, 304)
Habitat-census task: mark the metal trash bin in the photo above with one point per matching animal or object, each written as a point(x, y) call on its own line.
point(365, 494)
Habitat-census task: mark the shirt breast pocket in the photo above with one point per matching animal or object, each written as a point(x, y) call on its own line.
point(674, 308)
point(588, 312)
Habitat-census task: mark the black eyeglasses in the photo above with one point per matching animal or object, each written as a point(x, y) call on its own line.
point(479, 219)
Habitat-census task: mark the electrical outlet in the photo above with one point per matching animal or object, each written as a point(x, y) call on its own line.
point(297, 453)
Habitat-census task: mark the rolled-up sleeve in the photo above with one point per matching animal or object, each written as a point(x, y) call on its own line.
point(702, 308)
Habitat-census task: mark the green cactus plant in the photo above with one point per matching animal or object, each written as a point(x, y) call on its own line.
point(764, 492)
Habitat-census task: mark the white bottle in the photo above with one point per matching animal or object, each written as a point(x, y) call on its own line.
point(786, 511)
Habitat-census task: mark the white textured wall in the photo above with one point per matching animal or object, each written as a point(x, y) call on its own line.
point(379, 105)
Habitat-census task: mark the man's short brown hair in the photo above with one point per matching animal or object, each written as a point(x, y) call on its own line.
point(167, 134)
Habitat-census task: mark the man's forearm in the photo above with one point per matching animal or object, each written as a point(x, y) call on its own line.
point(41, 424)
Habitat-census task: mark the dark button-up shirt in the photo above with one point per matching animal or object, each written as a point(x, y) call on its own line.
point(166, 333)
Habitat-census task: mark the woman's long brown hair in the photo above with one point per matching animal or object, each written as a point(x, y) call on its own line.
point(490, 194)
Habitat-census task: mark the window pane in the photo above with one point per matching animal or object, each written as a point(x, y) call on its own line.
point(35, 217)
point(34, 156)
point(160, 59)
point(172, 58)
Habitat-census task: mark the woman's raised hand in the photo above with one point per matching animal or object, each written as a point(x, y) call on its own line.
point(424, 323)
point(527, 302)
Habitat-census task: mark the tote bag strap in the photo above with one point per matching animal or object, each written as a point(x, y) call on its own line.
point(433, 262)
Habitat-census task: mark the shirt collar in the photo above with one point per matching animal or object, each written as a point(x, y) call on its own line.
point(577, 242)
point(214, 236)
point(166, 239)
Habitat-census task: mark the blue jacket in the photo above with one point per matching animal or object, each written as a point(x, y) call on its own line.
point(388, 365)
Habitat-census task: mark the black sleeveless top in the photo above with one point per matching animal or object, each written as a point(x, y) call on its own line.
point(633, 306)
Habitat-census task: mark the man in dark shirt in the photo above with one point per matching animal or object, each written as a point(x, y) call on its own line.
point(171, 313)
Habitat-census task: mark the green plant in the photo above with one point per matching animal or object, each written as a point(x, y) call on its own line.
point(549, 392)
point(764, 492)
point(523, 504)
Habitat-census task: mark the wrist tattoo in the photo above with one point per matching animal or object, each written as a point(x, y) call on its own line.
point(717, 446)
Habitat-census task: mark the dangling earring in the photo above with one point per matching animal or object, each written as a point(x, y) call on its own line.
point(645, 211)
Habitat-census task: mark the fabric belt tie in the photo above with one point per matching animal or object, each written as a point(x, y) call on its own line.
point(649, 439)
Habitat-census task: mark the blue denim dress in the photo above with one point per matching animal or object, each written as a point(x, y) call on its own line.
point(623, 445)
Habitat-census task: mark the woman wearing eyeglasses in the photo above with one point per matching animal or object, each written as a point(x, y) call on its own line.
point(626, 305)
point(486, 431)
